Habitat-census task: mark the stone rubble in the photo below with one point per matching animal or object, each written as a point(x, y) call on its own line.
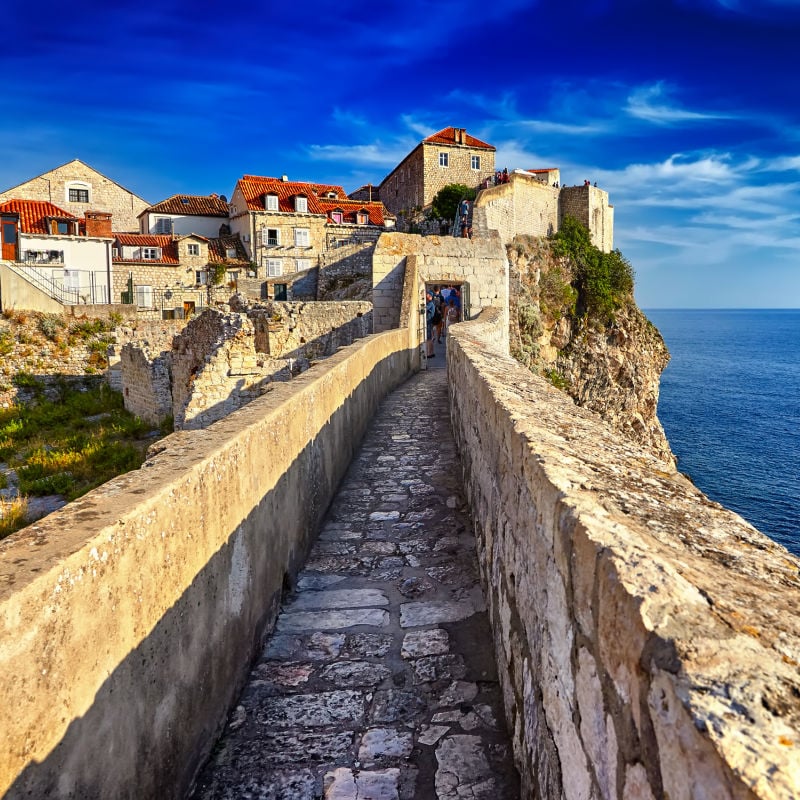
point(379, 681)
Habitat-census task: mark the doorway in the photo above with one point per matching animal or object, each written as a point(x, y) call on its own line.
point(8, 234)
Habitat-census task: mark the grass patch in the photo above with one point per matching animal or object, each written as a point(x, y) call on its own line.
point(13, 515)
point(72, 444)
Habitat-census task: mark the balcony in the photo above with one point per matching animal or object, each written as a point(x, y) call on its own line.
point(42, 257)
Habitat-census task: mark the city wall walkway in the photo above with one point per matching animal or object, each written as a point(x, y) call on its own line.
point(379, 680)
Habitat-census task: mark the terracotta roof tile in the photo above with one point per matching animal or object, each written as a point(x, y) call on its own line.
point(168, 245)
point(448, 136)
point(218, 249)
point(191, 205)
point(33, 214)
point(254, 188)
point(350, 208)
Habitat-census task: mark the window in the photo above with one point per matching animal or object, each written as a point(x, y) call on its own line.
point(151, 253)
point(164, 225)
point(72, 279)
point(77, 192)
point(274, 267)
point(271, 202)
point(301, 204)
point(144, 296)
point(301, 237)
point(444, 160)
point(230, 252)
point(270, 237)
point(193, 249)
point(200, 277)
point(475, 162)
point(362, 218)
point(61, 227)
point(336, 216)
point(303, 264)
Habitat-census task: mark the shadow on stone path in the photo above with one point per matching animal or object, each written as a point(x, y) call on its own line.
point(379, 680)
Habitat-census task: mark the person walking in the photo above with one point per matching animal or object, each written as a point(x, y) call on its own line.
point(430, 311)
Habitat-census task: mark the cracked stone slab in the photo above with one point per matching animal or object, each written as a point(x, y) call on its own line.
point(332, 620)
point(434, 612)
point(338, 598)
point(458, 693)
point(435, 668)
point(430, 734)
point(385, 743)
point(306, 581)
point(317, 647)
point(341, 707)
point(463, 770)
point(396, 705)
point(347, 784)
point(355, 673)
point(367, 645)
point(425, 643)
point(384, 516)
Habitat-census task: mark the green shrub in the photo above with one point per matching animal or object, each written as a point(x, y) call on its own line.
point(445, 203)
point(603, 281)
point(50, 325)
point(6, 343)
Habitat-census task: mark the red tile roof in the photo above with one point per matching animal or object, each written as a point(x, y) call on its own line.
point(350, 208)
point(168, 245)
point(254, 188)
point(33, 214)
point(218, 249)
point(191, 205)
point(448, 136)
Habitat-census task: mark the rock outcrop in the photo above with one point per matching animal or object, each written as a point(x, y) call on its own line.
point(611, 367)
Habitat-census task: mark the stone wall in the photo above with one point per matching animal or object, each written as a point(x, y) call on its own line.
point(481, 263)
point(589, 205)
point(104, 194)
point(129, 618)
point(309, 330)
point(647, 639)
point(342, 267)
point(147, 387)
point(523, 205)
point(216, 369)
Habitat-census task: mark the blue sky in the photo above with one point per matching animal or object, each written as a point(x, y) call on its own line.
point(686, 111)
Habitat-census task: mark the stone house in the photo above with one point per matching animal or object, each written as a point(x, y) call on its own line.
point(182, 214)
point(287, 226)
point(77, 188)
point(172, 272)
point(61, 255)
point(449, 156)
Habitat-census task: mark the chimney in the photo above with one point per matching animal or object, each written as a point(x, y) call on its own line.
point(98, 223)
point(285, 178)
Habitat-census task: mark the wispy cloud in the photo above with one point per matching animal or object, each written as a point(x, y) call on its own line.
point(362, 154)
point(653, 103)
point(348, 118)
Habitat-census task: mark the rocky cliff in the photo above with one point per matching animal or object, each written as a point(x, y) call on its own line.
point(610, 364)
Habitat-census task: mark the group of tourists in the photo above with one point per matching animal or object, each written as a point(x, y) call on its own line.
point(442, 309)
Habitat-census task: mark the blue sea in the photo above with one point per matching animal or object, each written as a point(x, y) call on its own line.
point(730, 406)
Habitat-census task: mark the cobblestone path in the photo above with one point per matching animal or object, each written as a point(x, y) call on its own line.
point(379, 680)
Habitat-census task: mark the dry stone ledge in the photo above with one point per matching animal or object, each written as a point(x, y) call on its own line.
point(653, 635)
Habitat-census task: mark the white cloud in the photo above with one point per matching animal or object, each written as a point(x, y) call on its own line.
point(652, 103)
point(365, 154)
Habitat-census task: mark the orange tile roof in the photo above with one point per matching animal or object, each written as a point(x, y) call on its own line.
point(218, 249)
point(254, 188)
point(33, 214)
point(448, 136)
point(350, 208)
point(191, 205)
point(168, 245)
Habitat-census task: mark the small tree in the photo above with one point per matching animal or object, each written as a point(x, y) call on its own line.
point(216, 274)
point(445, 203)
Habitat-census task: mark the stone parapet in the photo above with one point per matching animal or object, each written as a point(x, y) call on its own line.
point(647, 638)
point(128, 619)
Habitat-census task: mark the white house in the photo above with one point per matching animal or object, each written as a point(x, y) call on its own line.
point(63, 255)
point(183, 214)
